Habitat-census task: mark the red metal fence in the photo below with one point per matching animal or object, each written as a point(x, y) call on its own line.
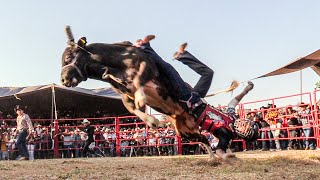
point(126, 136)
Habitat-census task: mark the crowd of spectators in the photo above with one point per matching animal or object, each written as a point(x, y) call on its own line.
point(281, 128)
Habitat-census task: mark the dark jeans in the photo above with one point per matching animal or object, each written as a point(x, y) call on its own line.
point(293, 142)
point(309, 143)
point(168, 70)
point(67, 151)
point(86, 147)
point(203, 70)
point(22, 143)
point(264, 135)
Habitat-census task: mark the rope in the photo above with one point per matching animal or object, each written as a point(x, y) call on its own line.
point(220, 90)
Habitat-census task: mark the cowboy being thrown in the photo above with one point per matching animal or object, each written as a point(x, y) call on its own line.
point(224, 131)
point(190, 97)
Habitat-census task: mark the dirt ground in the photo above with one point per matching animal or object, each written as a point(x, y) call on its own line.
point(249, 165)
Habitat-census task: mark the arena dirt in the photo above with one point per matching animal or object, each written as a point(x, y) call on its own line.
point(249, 165)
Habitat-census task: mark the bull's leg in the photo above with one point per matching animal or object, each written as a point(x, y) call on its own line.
point(197, 137)
point(150, 120)
point(139, 96)
point(224, 136)
point(129, 104)
point(210, 152)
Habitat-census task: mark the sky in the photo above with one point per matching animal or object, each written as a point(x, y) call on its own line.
point(239, 40)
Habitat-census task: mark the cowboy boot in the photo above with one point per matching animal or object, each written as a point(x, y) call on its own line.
point(181, 50)
point(148, 38)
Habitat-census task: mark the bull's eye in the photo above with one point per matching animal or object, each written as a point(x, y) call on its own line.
point(67, 60)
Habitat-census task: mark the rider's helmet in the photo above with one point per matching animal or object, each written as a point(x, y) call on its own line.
point(246, 129)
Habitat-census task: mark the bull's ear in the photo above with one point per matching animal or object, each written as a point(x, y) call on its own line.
point(82, 42)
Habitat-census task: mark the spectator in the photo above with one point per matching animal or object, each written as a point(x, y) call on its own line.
point(305, 118)
point(283, 132)
point(4, 138)
point(38, 129)
point(253, 117)
point(30, 146)
point(152, 143)
point(67, 143)
point(170, 133)
point(24, 127)
point(78, 143)
point(294, 132)
point(265, 131)
point(46, 143)
point(273, 120)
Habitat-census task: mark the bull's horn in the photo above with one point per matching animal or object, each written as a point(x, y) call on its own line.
point(69, 34)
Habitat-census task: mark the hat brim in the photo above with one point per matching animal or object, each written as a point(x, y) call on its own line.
point(303, 105)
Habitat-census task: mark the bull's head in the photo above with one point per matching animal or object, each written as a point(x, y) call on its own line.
point(73, 61)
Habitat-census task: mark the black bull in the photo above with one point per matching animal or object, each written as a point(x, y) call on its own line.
point(133, 75)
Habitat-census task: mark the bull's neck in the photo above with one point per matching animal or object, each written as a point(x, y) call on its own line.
point(94, 70)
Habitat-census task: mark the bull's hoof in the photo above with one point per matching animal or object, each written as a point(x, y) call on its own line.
point(230, 158)
point(212, 159)
point(227, 156)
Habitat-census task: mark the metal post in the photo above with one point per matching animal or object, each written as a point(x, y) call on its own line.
point(56, 139)
point(55, 124)
point(316, 120)
point(179, 145)
point(117, 137)
point(301, 85)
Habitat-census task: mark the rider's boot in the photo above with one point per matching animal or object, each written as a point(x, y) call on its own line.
point(139, 43)
point(246, 90)
point(181, 50)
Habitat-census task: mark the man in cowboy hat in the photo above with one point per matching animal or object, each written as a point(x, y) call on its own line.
point(24, 128)
point(89, 130)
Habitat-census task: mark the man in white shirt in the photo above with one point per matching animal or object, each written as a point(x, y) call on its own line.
point(24, 128)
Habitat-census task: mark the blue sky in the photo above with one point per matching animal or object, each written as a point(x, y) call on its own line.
point(239, 40)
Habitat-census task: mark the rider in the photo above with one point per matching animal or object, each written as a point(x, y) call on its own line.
point(222, 133)
point(206, 73)
point(201, 88)
point(188, 97)
point(203, 70)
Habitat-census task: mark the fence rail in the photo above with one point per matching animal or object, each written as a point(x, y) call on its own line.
point(121, 129)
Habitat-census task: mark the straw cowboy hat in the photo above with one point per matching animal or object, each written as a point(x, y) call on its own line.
point(85, 121)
